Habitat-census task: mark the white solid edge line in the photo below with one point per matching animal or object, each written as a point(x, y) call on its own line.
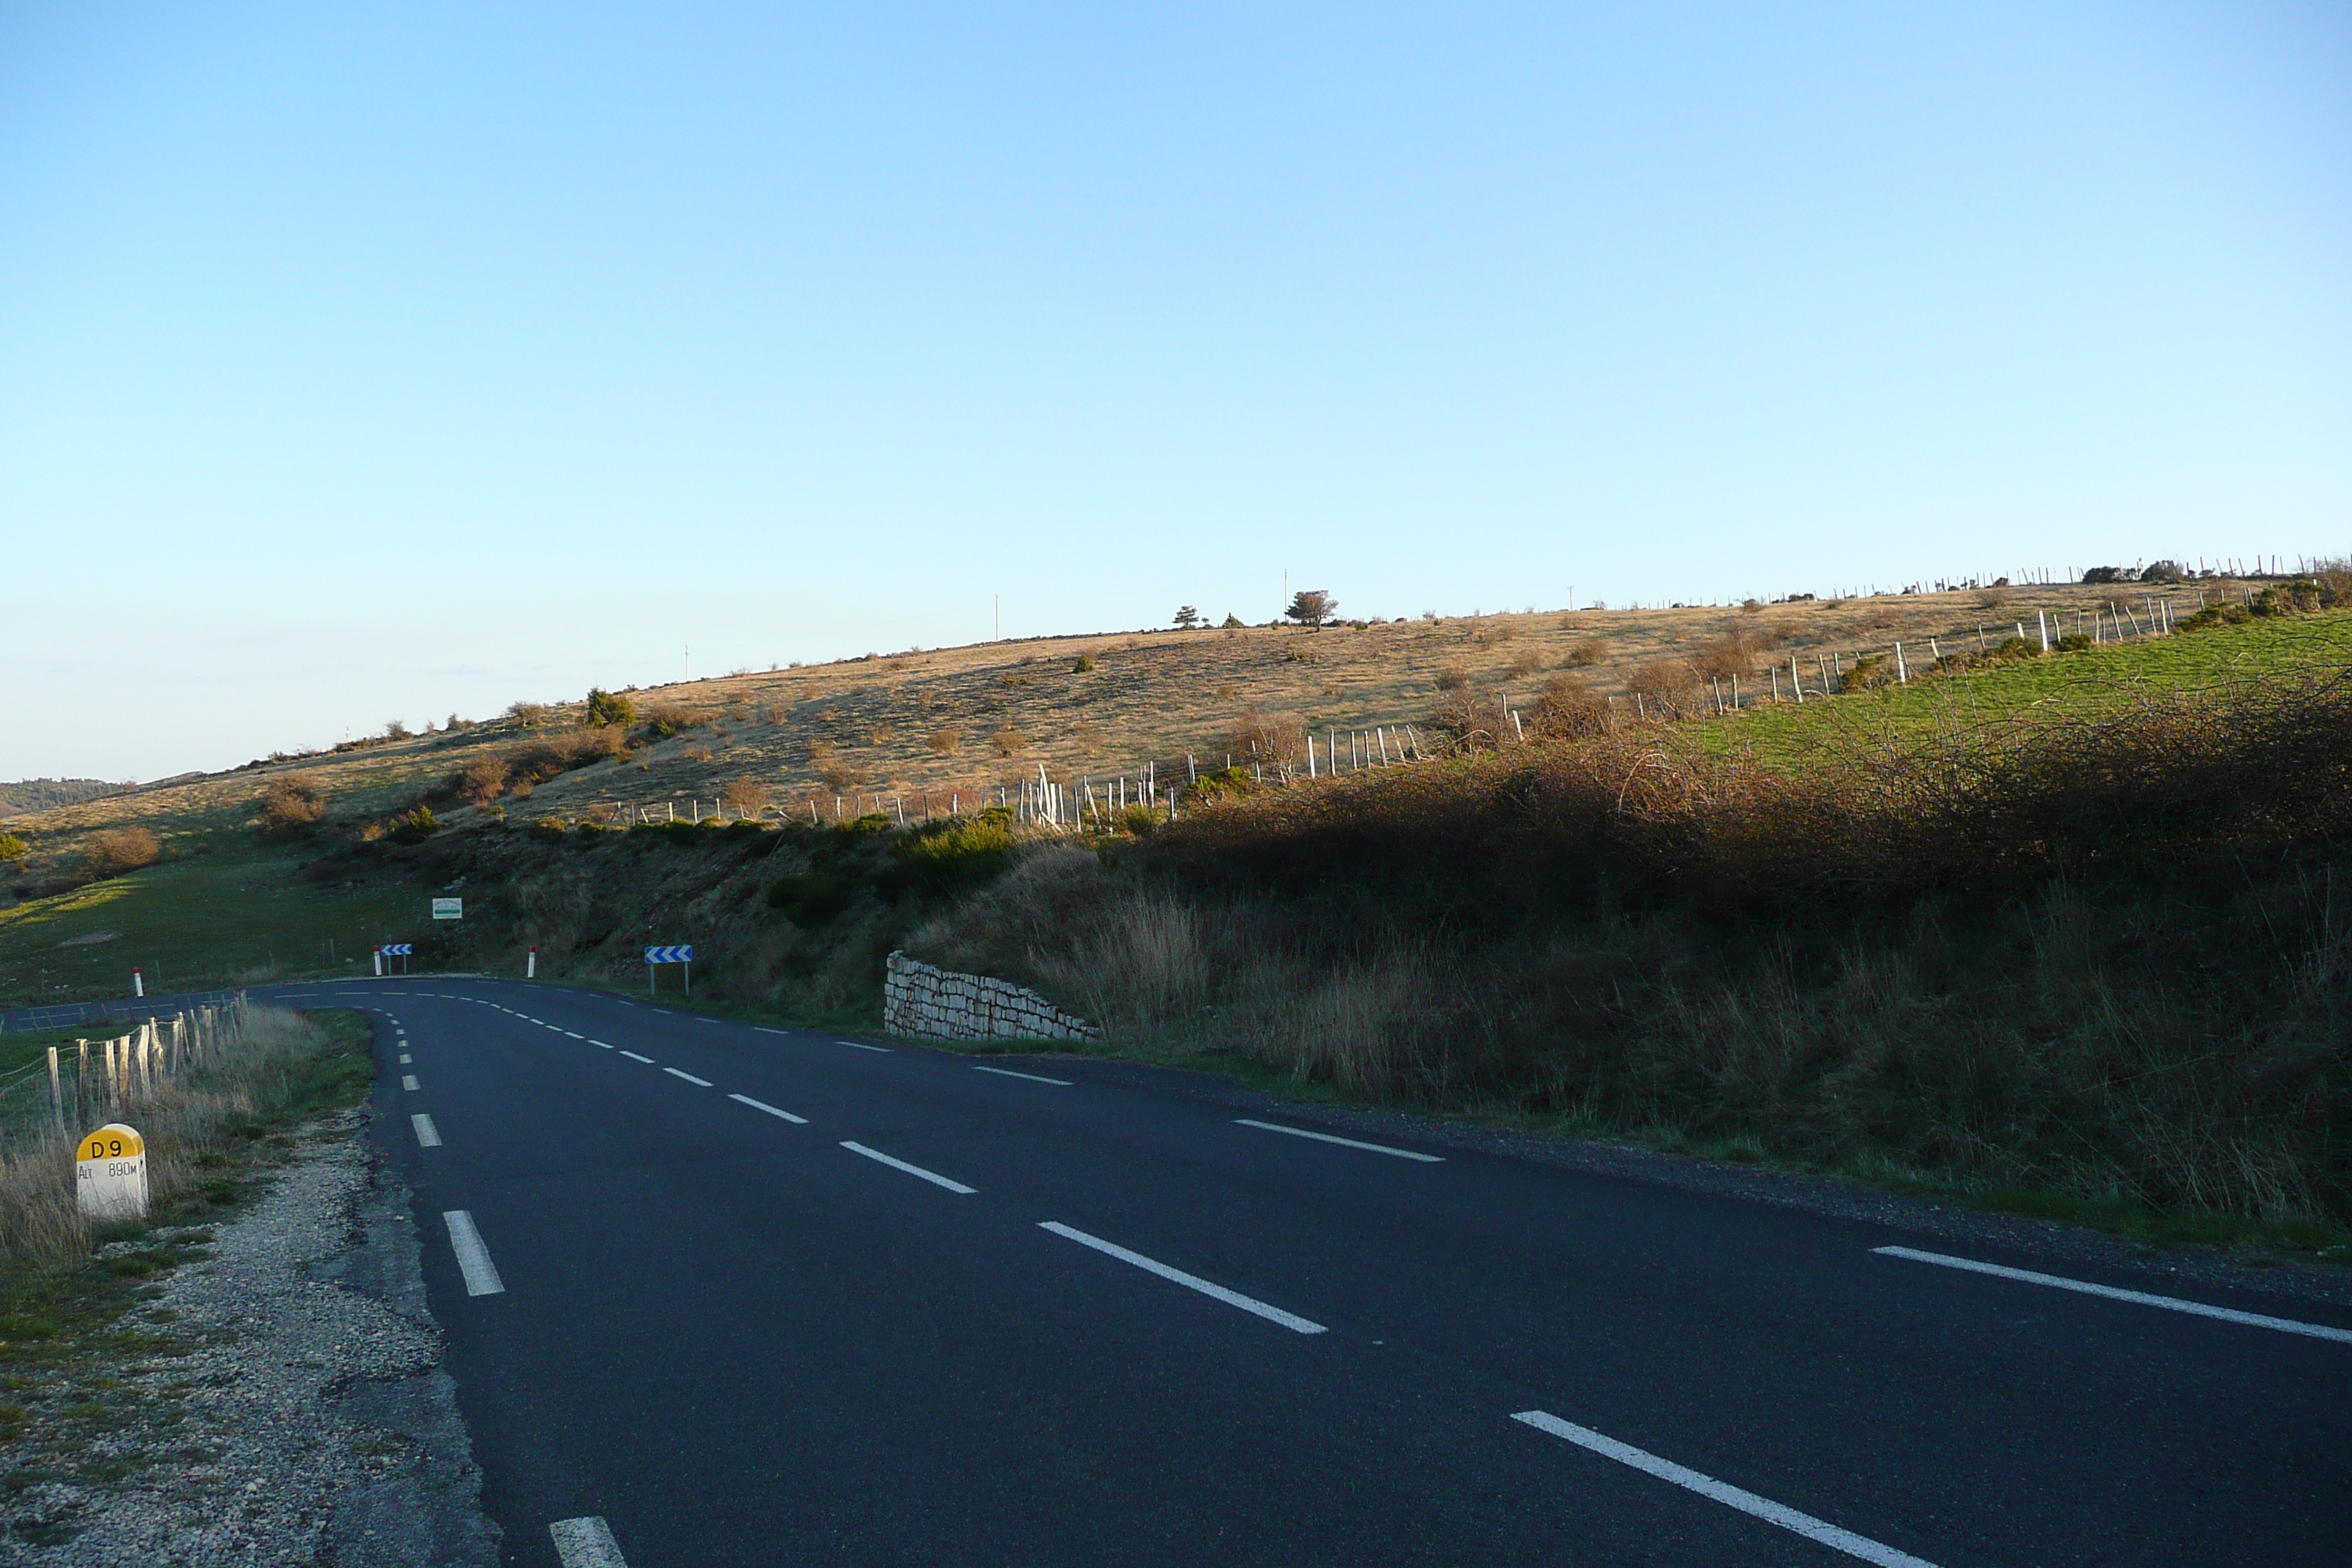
point(635, 1058)
point(700, 1082)
point(1348, 1142)
point(587, 1543)
point(1747, 1502)
point(427, 1135)
point(931, 1177)
point(2170, 1303)
point(473, 1258)
point(762, 1105)
point(1033, 1078)
point(408, 1082)
point(860, 1045)
point(1290, 1321)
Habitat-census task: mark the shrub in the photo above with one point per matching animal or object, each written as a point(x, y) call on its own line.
point(1734, 653)
point(1668, 687)
point(1081, 663)
point(746, 796)
point(946, 742)
point(2226, 613)
point(1566, 710)
point(2073, 642)
point(1008, 741)
point(120, 849)
point(1471, 720)
point(293, 803)
point(481, 780)
point(530, 715)
point(945, 856)
point(415, 826)
point(1232, 622)
point(1527, 663)
point(1586, 654)
point(2162, 572)
point(605, 709)
point(12, 848)
point(1452, 678)
point(1271, 740)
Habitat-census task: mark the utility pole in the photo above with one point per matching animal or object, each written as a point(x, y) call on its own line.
point(1000, 617)
point(689, 662)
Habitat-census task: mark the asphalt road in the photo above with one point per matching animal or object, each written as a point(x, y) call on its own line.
point(938, 1313)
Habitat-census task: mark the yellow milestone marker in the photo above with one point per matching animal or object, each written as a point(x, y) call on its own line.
point(111, 1174)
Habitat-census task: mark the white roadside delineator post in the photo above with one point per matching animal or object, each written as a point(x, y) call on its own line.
point(111, 1174)
point(530, 965)
point(138, 984)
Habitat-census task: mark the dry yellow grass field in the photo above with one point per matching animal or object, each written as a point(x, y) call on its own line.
point(927, 727)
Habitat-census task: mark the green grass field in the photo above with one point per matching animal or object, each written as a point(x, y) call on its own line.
point(236, 916)
point(2072, 685)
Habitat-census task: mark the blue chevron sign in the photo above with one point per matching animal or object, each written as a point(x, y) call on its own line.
point(397, 948)
point(669, 955)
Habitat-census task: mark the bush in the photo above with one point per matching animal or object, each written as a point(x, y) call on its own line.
point(2073, 642)
point(480, 781)
point(1081, 663)
point(120, 849)
point(607, 709)
point(946, 742)
point(1452, 678)
point(2227, 614)
point(415, 826)
point(2111, 574)
point(746, 796)
point(1668, 687)
point(1008, 741)
point(1586, 654)
point(12, 848)
point(1566, 710)
point(945, 856)
point(293, 803)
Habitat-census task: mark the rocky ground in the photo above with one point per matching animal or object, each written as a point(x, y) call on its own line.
point(277, 1398)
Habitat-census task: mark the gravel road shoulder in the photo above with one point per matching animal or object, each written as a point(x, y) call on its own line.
point(309, 1420)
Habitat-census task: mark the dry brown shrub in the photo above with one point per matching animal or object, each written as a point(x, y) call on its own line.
point(1452, 678)
point(1668, 687)
point(293, 803)
point(1734, 653)
point(1008, 741)
point(1273, 740)
point(120, 850)
point(1472, 721)
point(1527, 662)
point(696, 752)
point(1586, 654)
point(482, 780)
point(946, 742)
point(746, 796)
point(1566, 710)
point(1227, 691)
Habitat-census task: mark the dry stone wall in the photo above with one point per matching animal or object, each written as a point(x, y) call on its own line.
point(929, 1003)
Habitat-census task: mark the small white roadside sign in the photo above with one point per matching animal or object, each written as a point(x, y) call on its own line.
point(111, 1174)
point(448, 908)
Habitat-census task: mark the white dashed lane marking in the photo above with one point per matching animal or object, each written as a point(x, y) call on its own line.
point(1747, 1502)
point(427, 1135)
point(2140, 1297)
point(701, 1082)
point(1033, 1078)
point(587, 1543)
point(473, 1258)
point(1344, 1142)
point(931, 1177)
point(862, 1046)
point(635, 1058)
point(1250, 1304)
point(408, 1081)
point(762, 1105)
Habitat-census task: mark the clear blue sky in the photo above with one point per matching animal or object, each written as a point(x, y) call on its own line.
point(361, 365)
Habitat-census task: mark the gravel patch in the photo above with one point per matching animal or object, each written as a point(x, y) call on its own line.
point(309, 1418)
